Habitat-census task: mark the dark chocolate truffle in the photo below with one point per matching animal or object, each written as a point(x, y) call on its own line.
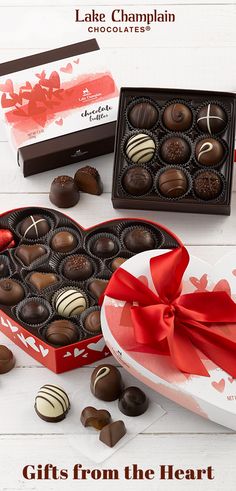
point(177, 117)
point(140, 148)
point(143, 115)
point(137, 181)
point(34, 312)
point(64, 241)
point(105, 246)
point(42, 280)
point(4, 269)
point(34, 226)
point(78, 268)
point(97, 418)
point(173, 183)
point(88, 180)
point(11, 292)
point(106, 383)
point(207, 185)
point(7, 360)
point(30, 253)
point(117, 262)
point(133, 402)
point(64, 192)
point(70, 301)
point(61, 333)
point(97, 287)
point(92, 322)
point(112, 433)
point(211, 119)
point(52, 403)
point(139, 239)
point(175, 150)
point(209, 152)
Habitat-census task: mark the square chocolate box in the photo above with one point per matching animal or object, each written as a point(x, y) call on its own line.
point(59, 107)
point(174, 150)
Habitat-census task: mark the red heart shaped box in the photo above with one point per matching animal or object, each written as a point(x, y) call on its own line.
point(83, 352)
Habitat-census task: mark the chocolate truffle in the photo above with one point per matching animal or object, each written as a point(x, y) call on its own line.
point(7, 360)
point(106, 383)
point(207, 185)
point(105, 246)
point(92, 322)
point(11, 292)
point(212, 119)
point(139, 239)
point(43, 280)
point(177, 117)
point(4, 269)
point(112, 433)
point(34, 226)
point(64, 192)
point(97, 287)
point(175, 150)
point(143, 115)
point(63, 242)
point(70, 301)
point(117, 262)
point(137, 181)
point(97, 418)
point(61, 333)
point(52, 403)
point(34, 312)
point(209, 152)
point(133, 402)
point(88, 180)
point(30, 253)
point(172, 183)
point(140, 148)
point(78, 268)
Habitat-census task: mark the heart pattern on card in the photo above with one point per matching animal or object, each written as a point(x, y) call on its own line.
point(67, 69)
point(220, 386)
point(99, 346)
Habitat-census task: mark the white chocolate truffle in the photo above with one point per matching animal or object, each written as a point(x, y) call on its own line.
point(140, 148)
point(52, 403)
point(69, 302)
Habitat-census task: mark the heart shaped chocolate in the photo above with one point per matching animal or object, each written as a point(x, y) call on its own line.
point(42, 280)
point(97, 418)
point(29, 253)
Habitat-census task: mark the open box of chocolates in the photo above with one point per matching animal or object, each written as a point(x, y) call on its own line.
point(52, 273)
point(174, 150)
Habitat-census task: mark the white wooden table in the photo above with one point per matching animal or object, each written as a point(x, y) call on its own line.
point(198, 51)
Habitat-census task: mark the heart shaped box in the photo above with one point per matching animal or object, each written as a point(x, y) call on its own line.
point(212, 397)
point(88, 350)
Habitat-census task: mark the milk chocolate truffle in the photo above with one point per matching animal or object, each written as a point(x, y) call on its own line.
point(30, 253)
point(7, 360)
point(64, 192)
point(78, 268)
point(52, 403)
point(133, 402)
point(137, 181)
point(140, 148)
point(105, 246)
point(70, 301)
point(34, 312)
point(209, 152)
point(173, 183)
point(88, 180)
point(97, 287)
point(63, 242)
point(43, 280)
point(61, 333)
point(211, 119)
point(175, 150)
point(11, 292)
point(92, 322)
point(97, 418)
point(4, 269)
point(117, 262)
point(139, 239)
point(143, 115)
point(34, 226)
point(106, 383)
point(112, 433)
point(207, 185)
point(177, 117)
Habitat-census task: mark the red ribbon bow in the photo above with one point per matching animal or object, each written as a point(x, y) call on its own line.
point(175, 324)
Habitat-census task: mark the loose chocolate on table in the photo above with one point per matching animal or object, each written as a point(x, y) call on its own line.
point(43, 280)
point(64, 241)
point(52, 403)
point(137, 181)
point(172, 183)
point(212, 119)
point(117, 262)
point(133, 402)
point(106, 382)
point(70, 301)
point(30, 253)
point(112, 433)
point(78, 268)
point(207, 185)
point(11, 292)
point(92, 322)
point(178, 117)
point(143, 115)
point(61, 332)
point(7, 360)
point(139, 239)
point(97, 287)
point(209, 152)
point(88, 180)
point(175, 150)
point(34, 312)
point(64, 192)
point(34, 227)
point(97, 418)
point(140, 148)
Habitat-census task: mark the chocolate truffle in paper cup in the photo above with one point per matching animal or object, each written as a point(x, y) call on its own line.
point(140, 148)
point(70, 301)
point(34, 227)
point(11, 292)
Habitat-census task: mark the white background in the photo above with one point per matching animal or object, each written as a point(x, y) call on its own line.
point(198, 51)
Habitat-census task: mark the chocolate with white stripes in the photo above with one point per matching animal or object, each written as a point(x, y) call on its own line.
point(52, 403)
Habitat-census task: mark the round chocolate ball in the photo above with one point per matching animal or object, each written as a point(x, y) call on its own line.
point(70, 301)
point(211, 119)
point(207, 185)
point(52, 403)
point(105, 246)
point(137, 181)
point(106, 383)
point(133, 402)
point(34, 226)
point(140, 148)
point(92, 322)
point(172, 183)
point(34, 312)
point(139, 239)
point(175, 150)
point(61, 333)
point(143, 115)
point(11, 292)
point(63, 242)
point(117, 262)
point(78, 268)
point(177, 117)
point(209, 151)
point(64, 192)
point(4, 269)
point(7, 360)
